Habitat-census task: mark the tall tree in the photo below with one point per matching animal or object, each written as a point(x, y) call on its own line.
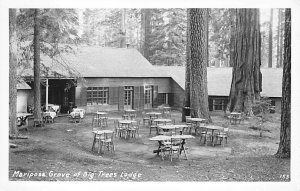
point(284, 150)
point(145, 32)
point(280, 36)
point(246, 75)
point(198, 62)
point(123, 29)
point(54, 32)
point(36, 62)
point(13, 131)
point(187, 101)
point(270, 39)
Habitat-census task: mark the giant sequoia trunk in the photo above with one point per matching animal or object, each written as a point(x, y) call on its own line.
point(145, 32)
point(13, 131)
point(198, 62)
point(246, 60)
point(36, 69)
point(284, 150)
point(270, 40)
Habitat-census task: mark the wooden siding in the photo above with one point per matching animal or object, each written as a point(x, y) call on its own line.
point(162, 83)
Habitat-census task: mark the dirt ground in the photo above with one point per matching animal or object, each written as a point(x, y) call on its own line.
point(62, 152)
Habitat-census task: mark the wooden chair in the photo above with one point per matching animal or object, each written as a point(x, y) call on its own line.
point(96, 120)
point(222, 135)
point(135, 128)
point(206, 135)
point(76, 118)
point(146, 119)
point(175, 148)
point(118, 129)
point(47, 118)
point(107, 142)
point(188, 123)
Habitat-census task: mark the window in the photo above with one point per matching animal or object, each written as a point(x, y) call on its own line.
point(97, 95)
point(128, 92)
point(148, 94)
point(218, 104)
point(163, 98)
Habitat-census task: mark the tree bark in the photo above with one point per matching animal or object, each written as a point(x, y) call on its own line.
point(36, 62)
point(281, 37)
point(13, 130)
point(232, 36)
point(270, 40)
point(284, 150)
point(123, 29)
point(278, 38)
point(246, 60)
point(198, 63)
point(145, 32)
point(187, 101)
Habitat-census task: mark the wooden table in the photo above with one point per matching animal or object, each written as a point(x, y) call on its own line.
point(195, 122)
point(99, 133)
point(162, 138)
point(166, 128)
point(235, 116)
point(213, 128)
point(126, 125)
point(153, 115)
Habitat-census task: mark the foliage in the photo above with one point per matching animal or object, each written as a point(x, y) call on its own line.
point(260, 109)
point(58, 35)
point(219, 37)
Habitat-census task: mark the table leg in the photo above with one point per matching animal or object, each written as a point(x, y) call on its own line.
point(94, 141)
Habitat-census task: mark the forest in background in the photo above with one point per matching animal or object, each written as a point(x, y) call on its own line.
point(160, 34)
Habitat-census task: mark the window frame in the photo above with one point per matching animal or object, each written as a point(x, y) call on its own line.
point(97, 96)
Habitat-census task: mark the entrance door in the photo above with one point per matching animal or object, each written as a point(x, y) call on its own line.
point(148, 97)
point(128, 97)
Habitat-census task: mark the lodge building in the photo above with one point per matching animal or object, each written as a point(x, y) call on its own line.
point(102, 78)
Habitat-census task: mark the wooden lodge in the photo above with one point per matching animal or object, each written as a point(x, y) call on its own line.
point(101, 78)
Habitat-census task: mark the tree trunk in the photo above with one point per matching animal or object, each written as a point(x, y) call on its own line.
point(198, 62)
point(13, 130)
point(187, 101)
point(246, 60)
point(36, 62)
point(284, 150)
point(123, 29)
point(278, 38)
point(281, 37)
point(270, 40)
point(145, 32)
point(232, 36)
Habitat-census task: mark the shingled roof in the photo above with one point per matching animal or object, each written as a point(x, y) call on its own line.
point(219, 80)
point(91, 61)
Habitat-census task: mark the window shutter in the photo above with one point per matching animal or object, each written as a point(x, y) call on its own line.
point(136, 97)
point(83, 96)
point(113, 95)
point(210, 104)
point(121, 98)
point(171, 99)
point(142, 98)
point(155, 96)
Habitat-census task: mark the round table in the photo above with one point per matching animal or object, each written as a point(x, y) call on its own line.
point(213, 128)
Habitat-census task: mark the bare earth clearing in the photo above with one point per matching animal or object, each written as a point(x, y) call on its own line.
point(62, 151)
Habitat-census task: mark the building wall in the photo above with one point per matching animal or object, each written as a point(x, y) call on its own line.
point(22, 97)
point(116, 88)
point(178, 96)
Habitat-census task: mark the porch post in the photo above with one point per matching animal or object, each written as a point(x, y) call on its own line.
point(47, 85)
